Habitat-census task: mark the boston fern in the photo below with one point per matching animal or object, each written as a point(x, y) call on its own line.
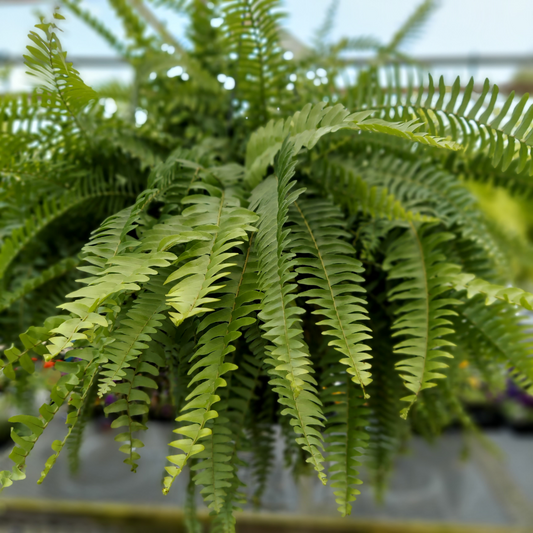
point(269, 251)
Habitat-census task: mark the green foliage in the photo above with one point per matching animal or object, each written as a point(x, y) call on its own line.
point(254, 259)
point(416, 264)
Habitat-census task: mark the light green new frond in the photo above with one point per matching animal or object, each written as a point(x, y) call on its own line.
point(415, 262)
point(48, 63)
point(222, 225)
point(307, 126)
point(330, 270)
point(288, 355)
point(115, 269)
point(132, 337)
point(222, 327)
point(345, 433)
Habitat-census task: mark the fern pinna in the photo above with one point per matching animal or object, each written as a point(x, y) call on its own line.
point(253, 255)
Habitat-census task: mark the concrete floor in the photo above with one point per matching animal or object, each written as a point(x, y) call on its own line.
point(431, 483)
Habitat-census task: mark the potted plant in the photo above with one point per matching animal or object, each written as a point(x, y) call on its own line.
point(264, 245)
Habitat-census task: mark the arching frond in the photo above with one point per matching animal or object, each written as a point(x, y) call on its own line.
point(80, 374)
point(476, 121)
point(497, 335)
point(307, 126)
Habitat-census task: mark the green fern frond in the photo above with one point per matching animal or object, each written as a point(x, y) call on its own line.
point(345, 433)
point(333, 275)
point(220, 481)
point(226, 224)
point(504, 134)
point(415, 259)
point(353, 193)
point(415, 183)
point(132, 339)
point(79, 374)
point(307, 126)
point(114, 268)
point(222, 328)
point(490, 291)
point(245, 382)
point(496, 333)
point(179, 345)
point(134, 402)
point(288, 354)
point(192, 524)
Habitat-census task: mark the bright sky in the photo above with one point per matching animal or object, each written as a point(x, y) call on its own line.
point(458, 27)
